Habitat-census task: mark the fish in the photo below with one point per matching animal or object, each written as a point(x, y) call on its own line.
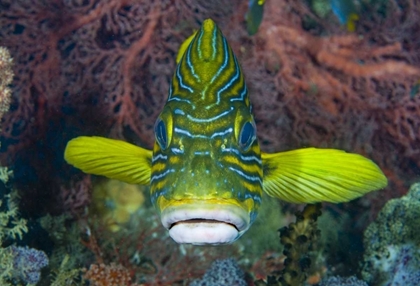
point(206, 172)
point(346, 12)
point(254, 16)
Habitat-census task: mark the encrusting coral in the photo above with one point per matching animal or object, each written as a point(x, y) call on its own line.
point(340, 281)
point(108, 275)
point(392, 242)
point(222, 272)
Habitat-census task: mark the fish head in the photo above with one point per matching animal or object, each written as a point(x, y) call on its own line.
point(206, 179)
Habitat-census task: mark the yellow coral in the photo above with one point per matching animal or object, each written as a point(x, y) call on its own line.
point(115, 201)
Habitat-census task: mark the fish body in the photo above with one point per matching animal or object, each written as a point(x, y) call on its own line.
point(346, 12)
point(254, 16)
point(207, 132)
point(206, 171)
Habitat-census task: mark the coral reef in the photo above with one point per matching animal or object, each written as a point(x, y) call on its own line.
point(6, 77)
point(17, 263)
point(144, 248)
point(392, 242)
point(346, 91)
point(108, 275)
point(11, 225)
point(222, 272)
point(396, 265)
point(75, 195)
point(340, 281)
point(97, 68)
point(65, 234)
point(27, 263)
point(298, 239)
point(103, 68)
point(63, 276)
point(114, 202)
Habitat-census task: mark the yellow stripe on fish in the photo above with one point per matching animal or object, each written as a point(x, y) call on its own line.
point(206, 171)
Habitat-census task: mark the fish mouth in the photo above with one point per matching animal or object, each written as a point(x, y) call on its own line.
point(205, 224)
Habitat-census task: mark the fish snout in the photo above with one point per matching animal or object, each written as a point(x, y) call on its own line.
point(205, 224)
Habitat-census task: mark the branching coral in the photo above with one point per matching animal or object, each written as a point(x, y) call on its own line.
point(11, 225)
point(145, 249)
point(90, 67)
point(320, 86)
point(17, 263)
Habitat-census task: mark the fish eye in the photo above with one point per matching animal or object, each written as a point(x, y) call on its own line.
point(247, 136)
point(160, 134)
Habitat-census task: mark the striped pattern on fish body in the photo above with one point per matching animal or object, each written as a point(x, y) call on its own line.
point(207, 109)
point(206, 172)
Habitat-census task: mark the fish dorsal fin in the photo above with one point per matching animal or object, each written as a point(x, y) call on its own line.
point(111, 158)
point(312, 175)
point(184, 46)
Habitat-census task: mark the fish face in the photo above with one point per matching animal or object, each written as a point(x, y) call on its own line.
point(206, 167)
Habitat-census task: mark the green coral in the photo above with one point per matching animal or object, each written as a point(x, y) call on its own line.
point(10, 223)
point(66, 276)
point(397, 224)
point(68, 253)
point(11, 226)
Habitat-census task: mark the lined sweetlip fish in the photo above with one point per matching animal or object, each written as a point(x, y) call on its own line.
point(206, 171)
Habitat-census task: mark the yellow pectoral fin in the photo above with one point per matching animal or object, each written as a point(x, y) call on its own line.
point(111, 158)
point(312, 175)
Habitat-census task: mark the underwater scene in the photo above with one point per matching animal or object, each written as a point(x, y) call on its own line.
point(210, 142)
